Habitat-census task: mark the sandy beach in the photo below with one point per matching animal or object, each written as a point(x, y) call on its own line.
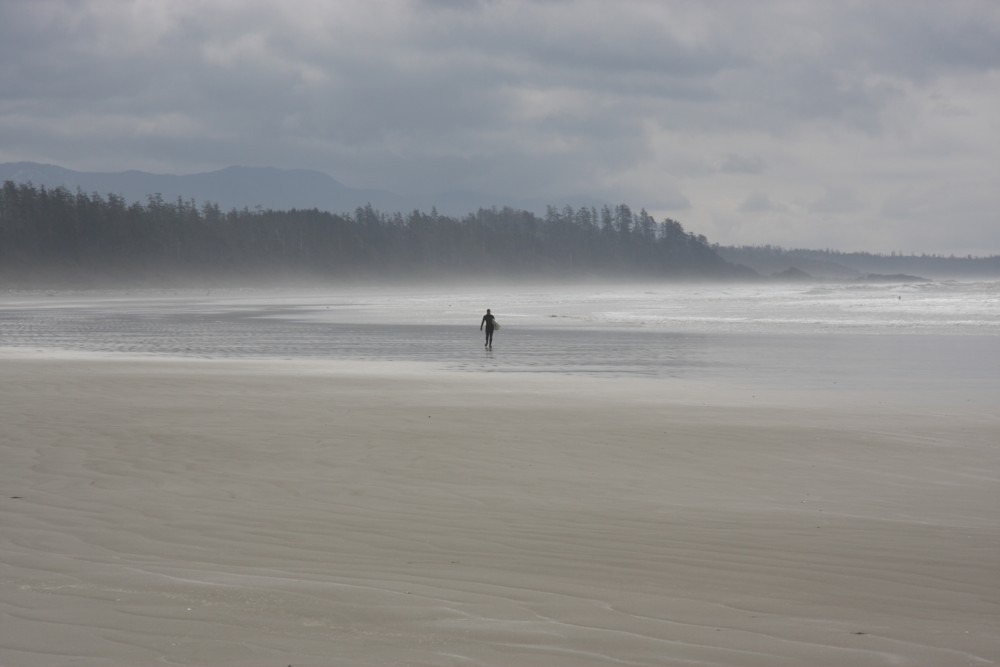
point(264, 513)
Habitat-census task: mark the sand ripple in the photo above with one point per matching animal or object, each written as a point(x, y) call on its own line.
point(259, 513)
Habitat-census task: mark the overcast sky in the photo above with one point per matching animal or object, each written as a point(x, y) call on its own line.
point(871, 125)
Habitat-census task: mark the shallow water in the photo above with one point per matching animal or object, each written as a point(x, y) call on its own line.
point(921, 337)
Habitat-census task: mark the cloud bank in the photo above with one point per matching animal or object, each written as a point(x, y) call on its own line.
point(804, 123)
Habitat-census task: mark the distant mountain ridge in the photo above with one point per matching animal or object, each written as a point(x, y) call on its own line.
point(250, 187)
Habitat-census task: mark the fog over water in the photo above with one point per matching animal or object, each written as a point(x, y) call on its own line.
point(914, 337)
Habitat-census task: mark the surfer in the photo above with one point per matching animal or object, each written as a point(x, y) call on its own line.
point(488, 323)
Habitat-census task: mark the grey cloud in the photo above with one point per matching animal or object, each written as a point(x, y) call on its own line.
point(926, 39)
point(758, 202)
point(837, 201)
point(540, 98)
point(741, 164)
point(451, 5)
point(666, 198)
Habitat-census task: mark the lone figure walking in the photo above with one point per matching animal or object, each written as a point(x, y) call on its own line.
point(488, 322)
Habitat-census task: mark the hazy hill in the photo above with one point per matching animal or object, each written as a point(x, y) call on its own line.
point(250, 187)
point(835, 265)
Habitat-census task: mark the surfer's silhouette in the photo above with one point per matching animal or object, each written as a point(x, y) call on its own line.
point(488, 323)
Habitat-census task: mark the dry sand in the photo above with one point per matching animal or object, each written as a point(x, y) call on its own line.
point(269, 514)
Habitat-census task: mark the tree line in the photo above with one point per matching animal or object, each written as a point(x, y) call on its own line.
point(52, 232)
point(768, 258)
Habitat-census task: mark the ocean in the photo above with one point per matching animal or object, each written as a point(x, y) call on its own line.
point(923, 337)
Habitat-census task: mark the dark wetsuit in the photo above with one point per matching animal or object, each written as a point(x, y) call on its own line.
point(488, 321)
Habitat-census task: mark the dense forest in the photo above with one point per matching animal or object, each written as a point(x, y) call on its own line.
point(51, 237)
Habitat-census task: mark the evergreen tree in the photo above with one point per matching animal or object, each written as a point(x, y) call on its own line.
point(90, 236)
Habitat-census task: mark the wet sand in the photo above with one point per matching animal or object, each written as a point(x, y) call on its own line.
point(262, 513)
